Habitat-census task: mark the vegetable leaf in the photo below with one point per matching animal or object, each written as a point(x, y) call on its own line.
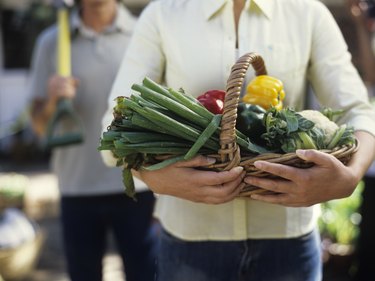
point(128, 181)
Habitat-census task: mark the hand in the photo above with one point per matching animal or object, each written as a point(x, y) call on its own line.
point(42, 109)
point(62, 87)
point(183, 180)
point(327, 179)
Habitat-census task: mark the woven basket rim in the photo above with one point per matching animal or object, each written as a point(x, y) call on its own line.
point(342, 153)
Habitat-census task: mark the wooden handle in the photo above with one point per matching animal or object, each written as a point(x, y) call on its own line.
point(63, 43)
point(229, 151)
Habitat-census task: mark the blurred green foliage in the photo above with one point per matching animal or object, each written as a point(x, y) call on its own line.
point(340, 218)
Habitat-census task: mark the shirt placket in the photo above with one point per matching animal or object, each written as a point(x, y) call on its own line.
point(99, 46)
point(230, 56)
point(229, 40)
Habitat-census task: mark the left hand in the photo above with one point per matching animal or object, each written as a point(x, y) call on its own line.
point(327, 179)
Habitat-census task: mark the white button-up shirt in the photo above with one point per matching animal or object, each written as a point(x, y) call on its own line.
point(191, 44)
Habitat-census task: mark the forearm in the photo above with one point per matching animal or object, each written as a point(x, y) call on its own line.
point(365, 155)
point(367, 58)
point(41, 113)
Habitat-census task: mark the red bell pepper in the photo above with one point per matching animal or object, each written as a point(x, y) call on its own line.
point(213, 100)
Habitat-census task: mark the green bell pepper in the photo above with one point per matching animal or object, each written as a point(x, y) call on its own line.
point(250, 121)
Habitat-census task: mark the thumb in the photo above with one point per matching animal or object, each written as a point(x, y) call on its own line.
point(198, 161)
point(312, 155)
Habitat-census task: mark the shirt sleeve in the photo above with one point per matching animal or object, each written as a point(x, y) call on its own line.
point(143, 58)
point(335, 80)
point(41, 65)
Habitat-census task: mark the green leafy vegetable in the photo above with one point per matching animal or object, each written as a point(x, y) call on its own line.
point(288, 130)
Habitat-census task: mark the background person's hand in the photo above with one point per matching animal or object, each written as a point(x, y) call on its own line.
point(183, 180)
point(43, 108)
point(62, 87)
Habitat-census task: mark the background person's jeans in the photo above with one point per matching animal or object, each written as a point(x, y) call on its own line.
point(297, 259)
point(87, 220)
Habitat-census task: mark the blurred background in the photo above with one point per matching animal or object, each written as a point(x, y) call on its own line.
point(30, 189)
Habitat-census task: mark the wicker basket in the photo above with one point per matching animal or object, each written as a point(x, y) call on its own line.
point(17, 263)
point(229, 154)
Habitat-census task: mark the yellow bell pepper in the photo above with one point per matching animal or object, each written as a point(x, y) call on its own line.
point(265, 91)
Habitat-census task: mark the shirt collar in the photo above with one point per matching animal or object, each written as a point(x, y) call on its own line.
point(265, 6)
point(211, 7)
point(124, 21)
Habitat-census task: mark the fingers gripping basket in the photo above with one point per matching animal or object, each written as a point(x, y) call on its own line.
point(230, 154)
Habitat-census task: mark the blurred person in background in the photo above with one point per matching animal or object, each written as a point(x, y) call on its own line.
point(92, 195)
point(363, 16)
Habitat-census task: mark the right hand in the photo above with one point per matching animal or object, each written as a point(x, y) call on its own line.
point(62, 87)
point(42, 109)
point(184, 181)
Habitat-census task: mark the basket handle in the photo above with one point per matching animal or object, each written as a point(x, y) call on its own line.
point(229, 150)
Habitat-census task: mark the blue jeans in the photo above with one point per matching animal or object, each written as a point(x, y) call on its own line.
point(297, 259)
point(86, 222)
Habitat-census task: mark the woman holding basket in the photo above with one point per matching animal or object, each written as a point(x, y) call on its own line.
point(208, 232)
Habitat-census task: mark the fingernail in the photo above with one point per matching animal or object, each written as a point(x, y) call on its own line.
point(254, 196)
point(301, 153)
point(258, 164)
point(211, 160)
point(238, 169)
